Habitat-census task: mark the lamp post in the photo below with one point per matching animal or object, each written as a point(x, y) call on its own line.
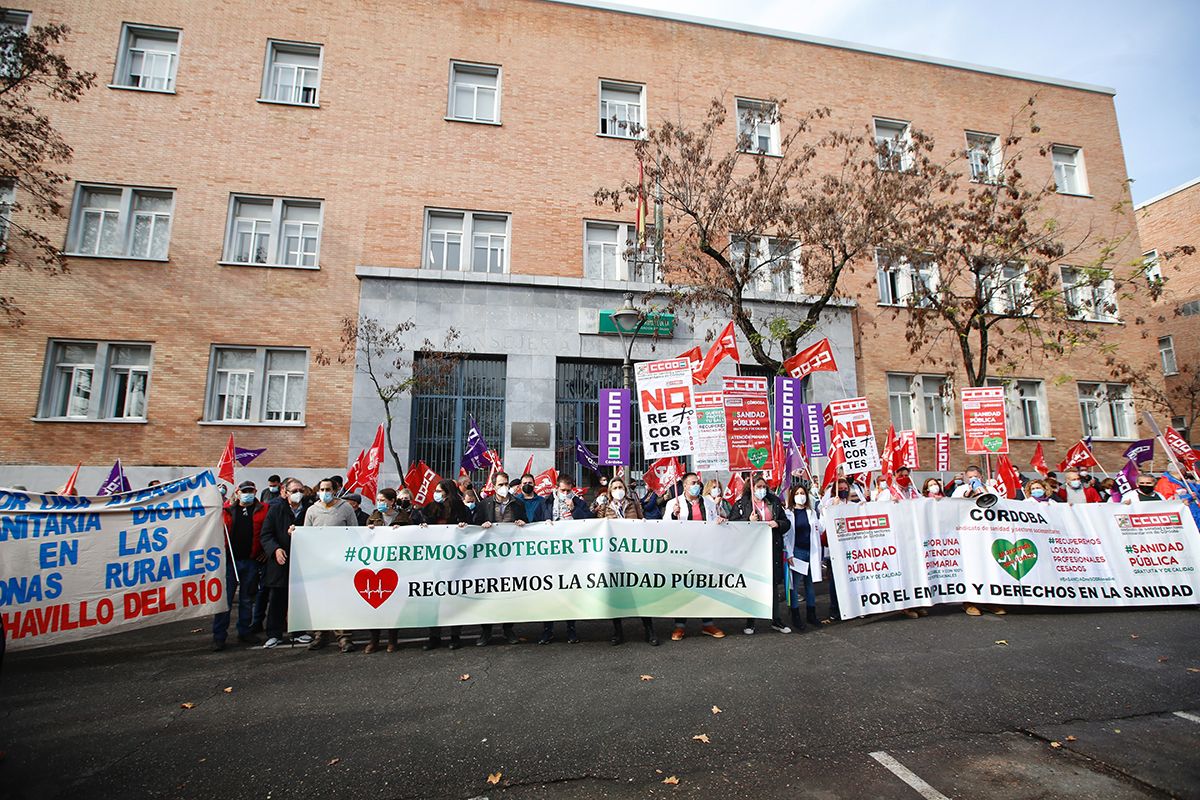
point(628, 321)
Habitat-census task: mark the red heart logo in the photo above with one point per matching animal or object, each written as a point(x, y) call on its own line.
point(376, 587)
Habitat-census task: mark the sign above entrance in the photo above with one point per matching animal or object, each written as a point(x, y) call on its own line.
point(657, 323)
point(531, 435)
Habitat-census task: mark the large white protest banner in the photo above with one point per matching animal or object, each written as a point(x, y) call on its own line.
point(891, 556)
point(76, 567)
point(584, 569)
point(852, 426)
point(664, 399)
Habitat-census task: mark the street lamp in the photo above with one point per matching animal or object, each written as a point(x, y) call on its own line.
point(628, 322)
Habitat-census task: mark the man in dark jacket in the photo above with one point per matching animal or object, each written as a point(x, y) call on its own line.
point(243, 524)
point(562, 506)
point(500, 508)
point(282, 519)
point(759, 504)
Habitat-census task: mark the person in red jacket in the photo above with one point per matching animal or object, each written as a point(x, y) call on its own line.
point(1074, 492)
point(243, 522)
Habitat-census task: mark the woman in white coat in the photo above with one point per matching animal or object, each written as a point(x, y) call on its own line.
point(802, 543)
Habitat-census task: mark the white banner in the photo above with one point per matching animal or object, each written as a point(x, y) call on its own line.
point(852, 426)
point(891, 556)
point(664, 394)
point(73, 568)
point(583, 569)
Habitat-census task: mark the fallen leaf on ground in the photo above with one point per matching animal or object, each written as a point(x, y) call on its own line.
point(671, 781)
point(333, 762)
point(1069, 739)
point(646, 677)
point(464, 677)
point(658, 772)
point(494, 777)
point(1163, 659)
point(716, 710)
point(187, 705)
point(1116, 730)
point(1056, 745)
point(197, 630)
point(1002, 642)
point(1193, 669)
point(1134, 636)
point(701, 737)
point(228, 690)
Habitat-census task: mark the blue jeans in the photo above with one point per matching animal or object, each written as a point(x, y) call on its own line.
point(247, 573)
point(810, 596)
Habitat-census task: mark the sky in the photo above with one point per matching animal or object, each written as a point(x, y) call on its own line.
point(1147, 50)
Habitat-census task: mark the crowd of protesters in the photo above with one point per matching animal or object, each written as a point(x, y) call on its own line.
point(260, 527)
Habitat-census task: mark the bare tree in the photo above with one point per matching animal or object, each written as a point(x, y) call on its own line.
point(32, 151)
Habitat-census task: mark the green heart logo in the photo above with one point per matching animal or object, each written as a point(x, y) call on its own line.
point(993, 443)
point(1017, 558)
point(758, 456)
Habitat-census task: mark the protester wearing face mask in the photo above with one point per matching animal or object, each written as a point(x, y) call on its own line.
point(932, 488)
point(715, 492)
point(474, 509)
point(273, 491)
point(393, 509)
point(1073, 492)
point(802, 546)
point(535, 507)
point(446, 507)
point(386, 510)
point(759, 504)
point(1036, 492)
point(282, 520)
point(355, 501)
point(622, 504)
point(599, 502)
point(330, 511)
point(500, 509)
point(563, 506)
point(845, 490)
point(691, 506)
point(243, 522)
point(1146, 492)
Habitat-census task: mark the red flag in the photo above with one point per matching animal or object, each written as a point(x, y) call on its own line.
point(1179, 446)
point(528, 467)
point(1166, 488)
point(889, 458)
point(725, 345)
point(836, 459)
point(355, 473)
point(368, 478)
point(1038, 461)
point(734, 488)
point(225, 465)
point(544, 482)
point(69, 487)
point(663, 474)
point(778, 464)
point(695, 359)
point(1010, 479)
point(420, 480)
point(462, 472)
point(1078, 456)
point(906, 450)
point(817, 358)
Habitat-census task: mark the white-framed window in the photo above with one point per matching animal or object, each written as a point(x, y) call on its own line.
point(1005, 288)
point(920, 402)
point(474, 92)
point(120, 222)
point(13, 24)
point(985, 157)
point(274, 231)
point(292, 74)
point(95, 380)
point(466, 241)
point(622, 109)
point(774, 266)
point(1152, 267)
point(8, 196)
point(610, 252)
point(257, 384)
point(902, 282)
point(894, 143)
point(1070, 177)
point(1089, 295)
point(758, 126)
point(1166, 352)
point(1106, 410)
point(148, 58)
point(1026, 406)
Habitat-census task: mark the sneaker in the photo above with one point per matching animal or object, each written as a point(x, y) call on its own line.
point(455, 643)
point(780, 627)
point(481, 642)
point(546, 638)
point(512, 639)
point(749, 631)
point(676, 634)
point(303, 638)
point(713, 631)
point(572, 636)
point(272, 643)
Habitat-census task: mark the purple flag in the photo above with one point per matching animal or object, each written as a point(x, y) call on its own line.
point(1140, 451)
point(116, 482)
point(1125, 481)
point(476, 455)
point(812, 430)
point(614, 427)
point(795, 461)
point(586, 457)
point(244, 457)
point(787, 403)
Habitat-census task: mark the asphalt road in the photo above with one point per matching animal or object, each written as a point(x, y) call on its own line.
point(960, 707)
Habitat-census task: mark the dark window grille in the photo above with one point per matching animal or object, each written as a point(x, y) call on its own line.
point(446, 395)
point(577, 413)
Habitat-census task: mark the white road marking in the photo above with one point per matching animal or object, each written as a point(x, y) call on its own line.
point(908, 776)
point(1188, 717)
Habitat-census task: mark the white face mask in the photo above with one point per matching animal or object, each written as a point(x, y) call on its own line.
point(564, 496)
point(601, 500)
point(715, 493)
point(438, 497)
point(761, 494)
point(801, 499)
point(296, 497)
point(618, 494)
point(502, 491)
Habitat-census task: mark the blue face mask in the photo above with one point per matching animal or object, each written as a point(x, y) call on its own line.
point(326, 497)
point(761, 494)
point(694, 489)
point(246, 498)
point(438, 497)
point(1037, 492)
point(471, 505)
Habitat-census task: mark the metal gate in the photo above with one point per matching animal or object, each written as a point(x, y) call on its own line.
point(444, 399)
point(577, 413)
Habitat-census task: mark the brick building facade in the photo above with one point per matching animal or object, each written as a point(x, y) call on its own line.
point(438, 160)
